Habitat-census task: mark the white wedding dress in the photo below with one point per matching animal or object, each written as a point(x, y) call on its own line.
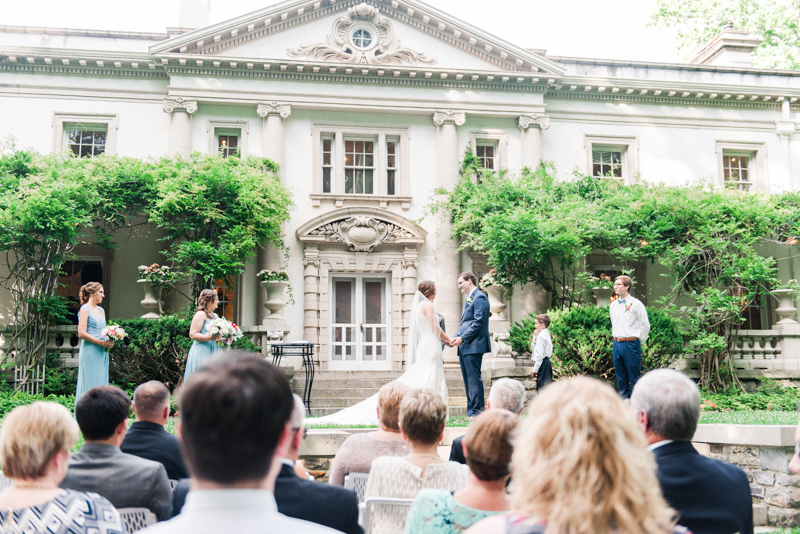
point(427, 372)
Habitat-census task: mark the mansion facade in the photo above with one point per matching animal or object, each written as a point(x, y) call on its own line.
point(368, 106)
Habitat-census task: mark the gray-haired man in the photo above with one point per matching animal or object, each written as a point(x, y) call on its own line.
point(506, 394)
point(667, 405)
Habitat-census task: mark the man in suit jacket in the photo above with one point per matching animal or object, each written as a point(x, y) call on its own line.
point(667, 405)
point(301, 498)
point(506, 394)
point(472, 340)
point(146, 438)
point(100, 466)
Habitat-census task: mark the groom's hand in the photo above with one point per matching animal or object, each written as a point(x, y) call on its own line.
point(457, 341)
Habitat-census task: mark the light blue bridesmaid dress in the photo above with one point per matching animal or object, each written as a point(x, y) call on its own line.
point(92, 359)
point(200, 351)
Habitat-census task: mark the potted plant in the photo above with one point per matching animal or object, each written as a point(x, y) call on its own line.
point(786, 294)
point(155, 278)
point(603, 289)
point(491, 282)
point(275, 282)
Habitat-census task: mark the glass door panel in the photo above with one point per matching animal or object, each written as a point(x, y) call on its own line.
point(344, 321)
point(360, 323)
point(374, 325)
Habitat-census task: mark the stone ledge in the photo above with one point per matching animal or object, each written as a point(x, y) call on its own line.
point(753, 435)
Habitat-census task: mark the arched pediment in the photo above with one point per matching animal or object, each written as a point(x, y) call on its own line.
point(361, 229)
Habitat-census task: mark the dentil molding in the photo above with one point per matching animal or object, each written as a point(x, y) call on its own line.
point(534, 119)
point(179, 104)
point(274, 108)
point(456, 117)
point(363, 36)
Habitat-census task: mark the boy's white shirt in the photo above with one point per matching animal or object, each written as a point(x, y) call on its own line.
point(541, 348)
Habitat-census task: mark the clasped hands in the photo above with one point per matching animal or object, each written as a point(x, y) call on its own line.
point(455, 342)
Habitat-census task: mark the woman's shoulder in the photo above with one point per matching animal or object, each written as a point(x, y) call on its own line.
point(435, 496)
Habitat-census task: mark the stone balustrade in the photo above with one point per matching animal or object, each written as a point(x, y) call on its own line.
point(774, 353)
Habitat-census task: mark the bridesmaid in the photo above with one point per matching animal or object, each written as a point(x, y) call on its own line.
point(204, 345)
point(93, 352)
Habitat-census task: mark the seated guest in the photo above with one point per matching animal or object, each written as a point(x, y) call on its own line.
point(506, 394)
point(235, 429)
point(101, 467)
point(667, 405)
point(34, 452)
point(423, 414)
point(146, 438)
point(488, 450)
point(298, 497)
point(357, 452)
point(581, 466)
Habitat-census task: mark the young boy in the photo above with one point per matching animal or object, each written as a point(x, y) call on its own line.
point(541, 350)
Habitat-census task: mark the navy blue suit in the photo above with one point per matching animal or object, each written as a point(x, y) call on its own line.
point(474, 332)
point(712, 497)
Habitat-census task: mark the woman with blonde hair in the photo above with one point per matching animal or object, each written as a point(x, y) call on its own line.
point(204, 345)
point(93, 351)
point(34, 451)
point(581, 466)
point(487, 447)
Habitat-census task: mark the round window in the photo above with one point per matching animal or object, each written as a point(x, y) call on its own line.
point(362, 38)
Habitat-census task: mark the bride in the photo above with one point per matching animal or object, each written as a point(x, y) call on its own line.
point(425, 363)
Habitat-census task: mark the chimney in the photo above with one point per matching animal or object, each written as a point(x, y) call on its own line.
point(730, 48)
point(194, 14)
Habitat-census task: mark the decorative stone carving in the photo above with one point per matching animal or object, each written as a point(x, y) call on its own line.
point(273, 108)
point(179, 104)
point(534, 119)
point(363, 36)
point(405, 264)
point(362, 234)
point(310, 261)
point(456, 117)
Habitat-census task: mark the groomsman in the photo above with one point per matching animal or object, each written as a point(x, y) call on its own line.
point(629, 329)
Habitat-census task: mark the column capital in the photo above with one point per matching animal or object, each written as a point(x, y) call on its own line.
point(533, 119)
point(456, 117)
point(409, 263)
point(171, 104)
point(265, 109)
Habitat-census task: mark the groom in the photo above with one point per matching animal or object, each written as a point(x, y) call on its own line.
point(472, 340)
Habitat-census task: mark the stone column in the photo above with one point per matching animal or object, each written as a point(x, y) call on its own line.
point(273, 146)
point(409, 266)
point(530, 130)
point(785, 127)
point(313, 316)
point(448, 261)
point(180, 125)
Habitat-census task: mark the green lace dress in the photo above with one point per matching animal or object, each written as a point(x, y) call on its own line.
point(438, 512)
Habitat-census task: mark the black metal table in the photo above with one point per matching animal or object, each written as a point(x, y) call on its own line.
point(306, 352)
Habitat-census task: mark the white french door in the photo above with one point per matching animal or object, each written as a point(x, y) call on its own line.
point(360, 322)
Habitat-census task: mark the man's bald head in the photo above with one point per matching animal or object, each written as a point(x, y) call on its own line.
point(149, 401)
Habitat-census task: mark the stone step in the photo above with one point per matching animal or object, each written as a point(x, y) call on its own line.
point(344, 402)
point(362, 383)
point(387, 375)
point(453, 391)
point(319, 411)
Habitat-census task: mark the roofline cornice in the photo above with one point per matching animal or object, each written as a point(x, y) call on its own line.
point(148, 36)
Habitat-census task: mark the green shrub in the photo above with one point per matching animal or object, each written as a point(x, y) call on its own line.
point(59, 380)
point(582, 341)
point(10, 400)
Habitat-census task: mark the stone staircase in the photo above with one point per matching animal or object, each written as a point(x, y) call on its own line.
point(334, 390)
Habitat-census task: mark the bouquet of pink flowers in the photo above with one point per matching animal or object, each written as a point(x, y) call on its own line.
point(227, 331)
point(114, 332)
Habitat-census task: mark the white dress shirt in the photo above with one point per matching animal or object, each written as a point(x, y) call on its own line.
point(629, 318)
point(541, 348)
point(657, 444)
point(233, 510)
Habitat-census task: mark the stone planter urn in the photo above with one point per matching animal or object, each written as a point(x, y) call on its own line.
point(603, 296)
point(496, 304)
point(276, 301)
point(536, 299)
point(785, 309)
point(152, 300)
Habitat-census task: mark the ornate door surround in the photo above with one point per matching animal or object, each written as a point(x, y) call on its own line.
point(359, 240)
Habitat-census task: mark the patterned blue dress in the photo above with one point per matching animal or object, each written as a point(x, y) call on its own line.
point(70, 512)
point(438, 512)
point(200, 351)
point(92, 359)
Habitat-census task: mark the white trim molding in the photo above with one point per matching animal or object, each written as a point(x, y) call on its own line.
point(110, 120)
point(759, 153)
point(242, 126)
point(499, 138)
point(629, 146)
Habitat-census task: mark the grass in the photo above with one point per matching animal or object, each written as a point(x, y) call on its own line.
point(755, 417)
point(169, 427)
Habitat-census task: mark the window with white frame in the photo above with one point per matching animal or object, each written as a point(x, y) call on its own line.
point(356, 160)
point(227, 138)
point(85, 140)
point(607, 162)
point(489, 146)
point(486, 151)
point(84, 135)
point(228, 142)
point(737, 171)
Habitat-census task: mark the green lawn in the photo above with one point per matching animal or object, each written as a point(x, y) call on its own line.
point(755, 417)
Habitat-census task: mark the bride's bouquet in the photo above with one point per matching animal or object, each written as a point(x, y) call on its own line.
point(114, 332)
point(227, 331)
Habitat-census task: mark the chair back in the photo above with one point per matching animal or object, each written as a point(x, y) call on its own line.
point(358, 483)
point(136, 519)
point(380, 514)
point(5, 482)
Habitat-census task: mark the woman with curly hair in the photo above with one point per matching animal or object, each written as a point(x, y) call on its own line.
point(580, 466)
point(93, 351)
point(204, 345)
